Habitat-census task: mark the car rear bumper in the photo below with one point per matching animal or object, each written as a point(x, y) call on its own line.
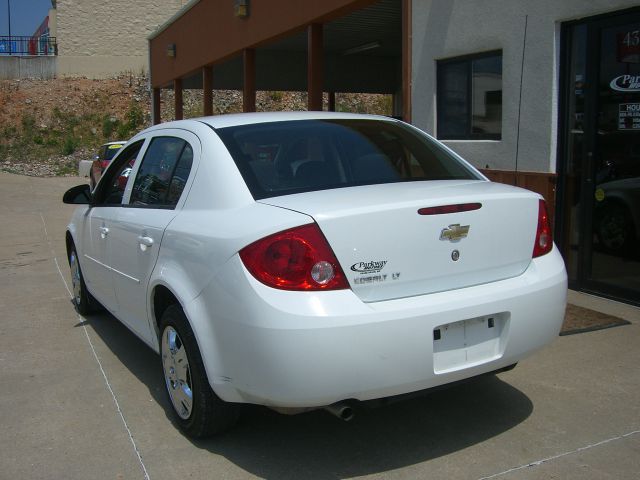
point(300, 349)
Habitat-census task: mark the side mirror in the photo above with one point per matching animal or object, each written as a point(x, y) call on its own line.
point(78, 195)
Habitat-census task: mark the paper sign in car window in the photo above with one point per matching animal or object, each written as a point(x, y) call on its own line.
point(114, 147)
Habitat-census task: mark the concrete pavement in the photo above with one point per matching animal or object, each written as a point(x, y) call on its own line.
point(83, 398)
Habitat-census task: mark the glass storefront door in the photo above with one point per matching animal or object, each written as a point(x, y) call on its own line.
point(600, 196)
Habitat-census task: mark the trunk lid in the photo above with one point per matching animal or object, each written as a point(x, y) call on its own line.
point(388, 250)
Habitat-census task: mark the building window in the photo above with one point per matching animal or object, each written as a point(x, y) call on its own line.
point(470, 97)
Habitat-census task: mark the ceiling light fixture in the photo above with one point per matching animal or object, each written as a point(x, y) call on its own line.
point(241, 8)
point(362, 48)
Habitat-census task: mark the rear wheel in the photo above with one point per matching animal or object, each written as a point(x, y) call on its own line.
point(199, 411)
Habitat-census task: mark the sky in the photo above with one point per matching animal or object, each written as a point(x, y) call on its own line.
point(26, 16)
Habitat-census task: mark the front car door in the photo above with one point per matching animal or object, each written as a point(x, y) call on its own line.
point(152, 203)
point(98, 225)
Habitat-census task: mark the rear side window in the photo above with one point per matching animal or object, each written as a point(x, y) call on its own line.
point(163, 173)
point(280, 158)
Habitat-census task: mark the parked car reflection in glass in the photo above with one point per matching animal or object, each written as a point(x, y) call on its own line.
point(100, 162)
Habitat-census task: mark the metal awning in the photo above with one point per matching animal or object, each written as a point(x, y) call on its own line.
point(361, 47)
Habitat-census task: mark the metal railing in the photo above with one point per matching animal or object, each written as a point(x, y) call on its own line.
point(18, 45)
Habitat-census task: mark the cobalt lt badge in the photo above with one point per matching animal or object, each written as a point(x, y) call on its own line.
point(454, 233)
point(455, 255)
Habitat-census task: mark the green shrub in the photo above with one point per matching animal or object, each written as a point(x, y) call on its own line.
point(135, 117)
point(9, 131)
point(69, 146)
point(108, 126)
point(123, 131)
point(275, 96)
point(28, 124)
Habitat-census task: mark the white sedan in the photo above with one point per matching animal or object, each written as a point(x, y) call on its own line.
point(307, 260)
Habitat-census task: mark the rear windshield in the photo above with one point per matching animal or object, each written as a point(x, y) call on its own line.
point(281, 158)
point(109, 151)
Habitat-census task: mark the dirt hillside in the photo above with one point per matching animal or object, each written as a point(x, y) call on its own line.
point(47, 126)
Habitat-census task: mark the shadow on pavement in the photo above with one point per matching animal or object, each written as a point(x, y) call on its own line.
point(132, 352)
point(317, 445)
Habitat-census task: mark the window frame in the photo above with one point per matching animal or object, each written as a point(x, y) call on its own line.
point(467, 60)
point(115, 166)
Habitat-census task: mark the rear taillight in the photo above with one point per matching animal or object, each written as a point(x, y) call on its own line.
point(104, 164)
point(544, 239)
point(295, 259)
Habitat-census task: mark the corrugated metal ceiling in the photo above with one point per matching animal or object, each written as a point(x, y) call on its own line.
point(380, 23)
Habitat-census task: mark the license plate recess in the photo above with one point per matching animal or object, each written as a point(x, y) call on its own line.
point(469, 342)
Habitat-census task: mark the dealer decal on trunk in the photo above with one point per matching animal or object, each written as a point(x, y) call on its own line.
point(368, 267)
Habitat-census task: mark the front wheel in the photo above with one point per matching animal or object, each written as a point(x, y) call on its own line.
point(83, 301)
point(199, 411)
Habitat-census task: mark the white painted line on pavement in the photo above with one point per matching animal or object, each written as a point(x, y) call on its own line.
point(95, 355)
point(555, 457)
point(115, 400)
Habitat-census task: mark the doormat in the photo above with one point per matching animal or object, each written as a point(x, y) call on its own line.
point(580, 320)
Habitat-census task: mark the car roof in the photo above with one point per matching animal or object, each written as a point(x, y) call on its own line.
point(236, 119)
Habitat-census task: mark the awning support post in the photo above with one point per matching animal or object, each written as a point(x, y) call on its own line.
point(207, 88)
point(177, 91)
point(315, 66)
point(249, 83)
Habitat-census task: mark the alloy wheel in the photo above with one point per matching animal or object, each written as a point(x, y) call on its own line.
point(177, 374)
point(76, 279)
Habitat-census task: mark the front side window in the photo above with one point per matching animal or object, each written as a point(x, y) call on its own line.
point(280, 158)
point(163, 173)
point(470, 97)
point(111, 187)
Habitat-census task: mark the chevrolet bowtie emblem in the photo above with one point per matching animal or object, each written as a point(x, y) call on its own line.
point(455, 232)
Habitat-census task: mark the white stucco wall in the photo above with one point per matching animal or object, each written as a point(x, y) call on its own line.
point(98, 38)
point(449, 28)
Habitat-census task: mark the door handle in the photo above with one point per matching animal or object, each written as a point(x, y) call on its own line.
point(104, 231)
point(145, 242)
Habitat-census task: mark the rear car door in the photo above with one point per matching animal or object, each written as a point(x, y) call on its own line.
point(156, 195)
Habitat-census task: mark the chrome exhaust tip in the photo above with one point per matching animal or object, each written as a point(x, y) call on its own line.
point(341, 410)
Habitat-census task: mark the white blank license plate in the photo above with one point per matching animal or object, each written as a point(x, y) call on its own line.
point(468, 343)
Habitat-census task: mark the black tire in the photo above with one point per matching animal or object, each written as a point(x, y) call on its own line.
point(615, 229)
point(208, 414)
point(82, 300)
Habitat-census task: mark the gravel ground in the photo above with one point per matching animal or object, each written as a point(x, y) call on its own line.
point(54, 166)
